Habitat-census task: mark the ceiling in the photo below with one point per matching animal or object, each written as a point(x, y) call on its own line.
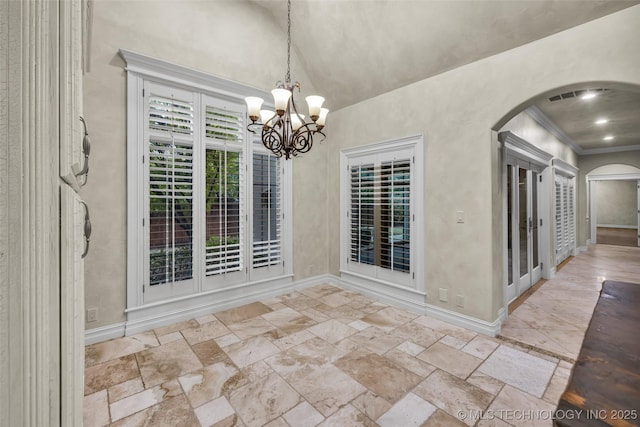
point(353, 50)
point(574, 117)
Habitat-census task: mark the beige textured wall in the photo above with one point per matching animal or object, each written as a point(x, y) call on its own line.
point(456, 111)
point(617, 203)
point(228, 38)
point(601, 164)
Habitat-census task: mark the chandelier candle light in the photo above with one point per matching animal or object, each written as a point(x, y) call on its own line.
point(285, 132)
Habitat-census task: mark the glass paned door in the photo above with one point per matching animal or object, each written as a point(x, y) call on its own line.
point(523, 228)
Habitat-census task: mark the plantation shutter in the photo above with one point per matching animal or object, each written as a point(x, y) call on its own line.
point(267, 212)
point(380, 214)
point(170, 128)
point(571, 213)
point(224, 188)
point(559, 215)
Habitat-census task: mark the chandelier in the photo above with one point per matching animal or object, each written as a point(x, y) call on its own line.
point(285, 132)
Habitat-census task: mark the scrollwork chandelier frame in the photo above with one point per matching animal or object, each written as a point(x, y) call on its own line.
point(284, 131)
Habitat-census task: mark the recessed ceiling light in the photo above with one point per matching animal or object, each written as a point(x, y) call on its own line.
point(608, 138)
point(589, 95)
point(602, 121)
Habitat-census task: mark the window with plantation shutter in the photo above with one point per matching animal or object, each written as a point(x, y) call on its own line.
point(169, 136)
point(565, 217)
point(206, 201)
point(380, 200)
point(224, 193)
point(266, 210)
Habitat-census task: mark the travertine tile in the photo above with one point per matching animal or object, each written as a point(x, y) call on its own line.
point(370, 404)
point(139, 401)
point(326, 396)
point(251, 350)
point(263, 400)
point(332, 331)
point(348, 416)
point(168, 361)
point(213, 412)
point(376, 340)
point(556, 387)
point(292, 340)
point(409, 362)
point(451, 360)
point(209, 352)
point(96, 409)
point(125, 389)
point(278, 422)
point(419, 334)
point(442, 419)
point(207, 384)
point(445, 328)
point(303, 415)
point(519, 369)
point(311, 354)
point(172, 412)
point(452, 394)
point(519, 408)
point(226, 340)
point(119, 347)
point(110, 373)
point(176, 327)
point(289, 320)
point(335, 299)
point(205, 332)
point(410, 411)
point(411, 348)
point(389, 318)
point(173, 336)
point(320, 291)
point(485, 382)
point(359, 325)
point(239, 314)
point(378, 374)
point(480, 347)
point(453, 342)
point(251, 327)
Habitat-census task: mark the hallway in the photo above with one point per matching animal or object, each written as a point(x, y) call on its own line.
point(555, 318)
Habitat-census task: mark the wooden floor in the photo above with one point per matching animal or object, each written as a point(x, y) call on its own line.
point(617, 236)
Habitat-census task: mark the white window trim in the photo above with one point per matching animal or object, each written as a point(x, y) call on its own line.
point(140, 68)
point(416, 291)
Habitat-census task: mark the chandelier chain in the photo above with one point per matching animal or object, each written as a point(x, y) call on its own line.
point(288, 76)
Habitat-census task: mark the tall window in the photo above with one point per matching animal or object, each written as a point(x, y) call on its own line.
point(380, 194)
point(212, 213)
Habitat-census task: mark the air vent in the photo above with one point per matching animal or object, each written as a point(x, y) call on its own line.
point(574, 94)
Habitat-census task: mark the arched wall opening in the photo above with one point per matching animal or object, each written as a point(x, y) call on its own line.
point(521, 120)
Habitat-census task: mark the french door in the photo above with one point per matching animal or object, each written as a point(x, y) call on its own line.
point(523, 226)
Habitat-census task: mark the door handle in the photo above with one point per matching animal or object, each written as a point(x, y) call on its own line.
point(86, 150)
point(87, 229)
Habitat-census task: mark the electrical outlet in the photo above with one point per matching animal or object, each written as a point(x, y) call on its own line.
point(460, 217)
point(460, 301)
point(443, 295)
point(92, 314)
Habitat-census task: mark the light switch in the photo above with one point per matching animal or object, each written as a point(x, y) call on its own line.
point(460, 217)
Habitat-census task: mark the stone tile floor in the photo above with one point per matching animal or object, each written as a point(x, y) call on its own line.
point(320, 356)
point(556, 317)
point(330, 357)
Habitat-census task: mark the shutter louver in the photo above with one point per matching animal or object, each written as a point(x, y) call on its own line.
point(170, 211)
point(559, 228)
point(224, 126)
point(380, 215)
point(170, 115)
point(266, 211)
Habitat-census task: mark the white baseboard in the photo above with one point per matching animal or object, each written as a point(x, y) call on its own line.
point(104, 333)
point(410, 300)
point(630, 227)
